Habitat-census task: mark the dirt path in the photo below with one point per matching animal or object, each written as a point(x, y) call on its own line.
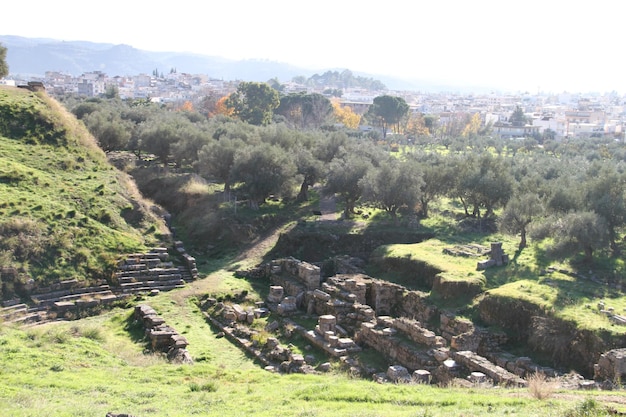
point(328, 207)
point(254, 254)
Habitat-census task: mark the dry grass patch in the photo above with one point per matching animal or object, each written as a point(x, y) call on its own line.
point(541, 387)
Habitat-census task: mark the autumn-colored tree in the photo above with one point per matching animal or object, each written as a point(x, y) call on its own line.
point(221, 108)
point(416, 125)
point(345, 115)
point(472, 127)
point(186, 106)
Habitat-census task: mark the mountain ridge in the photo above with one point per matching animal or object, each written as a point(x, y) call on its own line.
point(32, 57)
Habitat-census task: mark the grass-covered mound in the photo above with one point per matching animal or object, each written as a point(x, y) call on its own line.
point(65, 212)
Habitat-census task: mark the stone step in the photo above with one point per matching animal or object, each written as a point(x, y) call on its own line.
point(151, 271)
point(152, 284)
point(9, 313)
point(29, 318)
point(90, 295)
point(148, 289)
point(13, 308)
point(59, 294)
point(162, 277)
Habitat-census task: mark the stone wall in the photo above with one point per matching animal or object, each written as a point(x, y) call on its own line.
point(163, 338)
point(393, 347)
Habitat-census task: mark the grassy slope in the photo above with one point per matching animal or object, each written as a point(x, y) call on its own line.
point(63, 208)
point(569, 298)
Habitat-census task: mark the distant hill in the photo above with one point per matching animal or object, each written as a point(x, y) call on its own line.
point(65, 212)
point(32, 57)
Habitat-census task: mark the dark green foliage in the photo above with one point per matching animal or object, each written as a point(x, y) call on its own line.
point(518, 118)
point(518, 214)
point(254, 102)
point(304, 110)
point(4, 68)
point(393, 185)
point(341, 80)
point(344, 178)
point(264, 170)
point(388, 111)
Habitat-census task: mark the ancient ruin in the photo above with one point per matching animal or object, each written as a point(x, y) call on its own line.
point(497, 257)
point(148, 272)
point(356, 312)
point(163, 338)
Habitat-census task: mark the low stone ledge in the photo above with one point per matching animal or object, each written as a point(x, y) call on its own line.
point(477, 363)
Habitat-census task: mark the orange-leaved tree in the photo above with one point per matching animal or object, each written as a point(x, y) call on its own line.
point(221, 108)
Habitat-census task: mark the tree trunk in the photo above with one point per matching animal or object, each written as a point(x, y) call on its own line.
point(464, 206)
point(522, 243)
point(303, 195)
point(424, 209)
point(349, 209)
point(588, 254)
point(612, 243)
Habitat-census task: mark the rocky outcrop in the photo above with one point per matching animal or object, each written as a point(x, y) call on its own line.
point(611, 366)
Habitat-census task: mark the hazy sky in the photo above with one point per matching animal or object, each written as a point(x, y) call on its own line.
point(529, 45)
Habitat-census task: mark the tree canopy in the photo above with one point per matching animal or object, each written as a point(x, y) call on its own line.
point(254, 102)
point(4, 67)
point(388, 111)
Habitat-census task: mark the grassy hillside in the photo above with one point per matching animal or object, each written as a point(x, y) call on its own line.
point(65, 212)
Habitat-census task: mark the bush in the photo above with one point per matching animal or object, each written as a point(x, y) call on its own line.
point(541, 387)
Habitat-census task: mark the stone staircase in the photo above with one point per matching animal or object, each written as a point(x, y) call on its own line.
point(141, 272)
point(150, 272)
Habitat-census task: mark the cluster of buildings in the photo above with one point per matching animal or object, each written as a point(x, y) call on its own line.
point(548, 115)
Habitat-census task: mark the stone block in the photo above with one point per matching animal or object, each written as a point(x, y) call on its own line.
point(240, 313)
point(477, 377)
point(324, 367)
point(321, 295)
point(422, 376)
point(398, 373)
point(276, 295)
point(297, 359)
point(488, 263)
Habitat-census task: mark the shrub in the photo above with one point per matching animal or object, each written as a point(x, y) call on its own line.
point(540, 386)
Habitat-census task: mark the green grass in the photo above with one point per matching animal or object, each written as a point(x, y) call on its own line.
point(572, 297)
point(59, 197)
point(63, 369)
